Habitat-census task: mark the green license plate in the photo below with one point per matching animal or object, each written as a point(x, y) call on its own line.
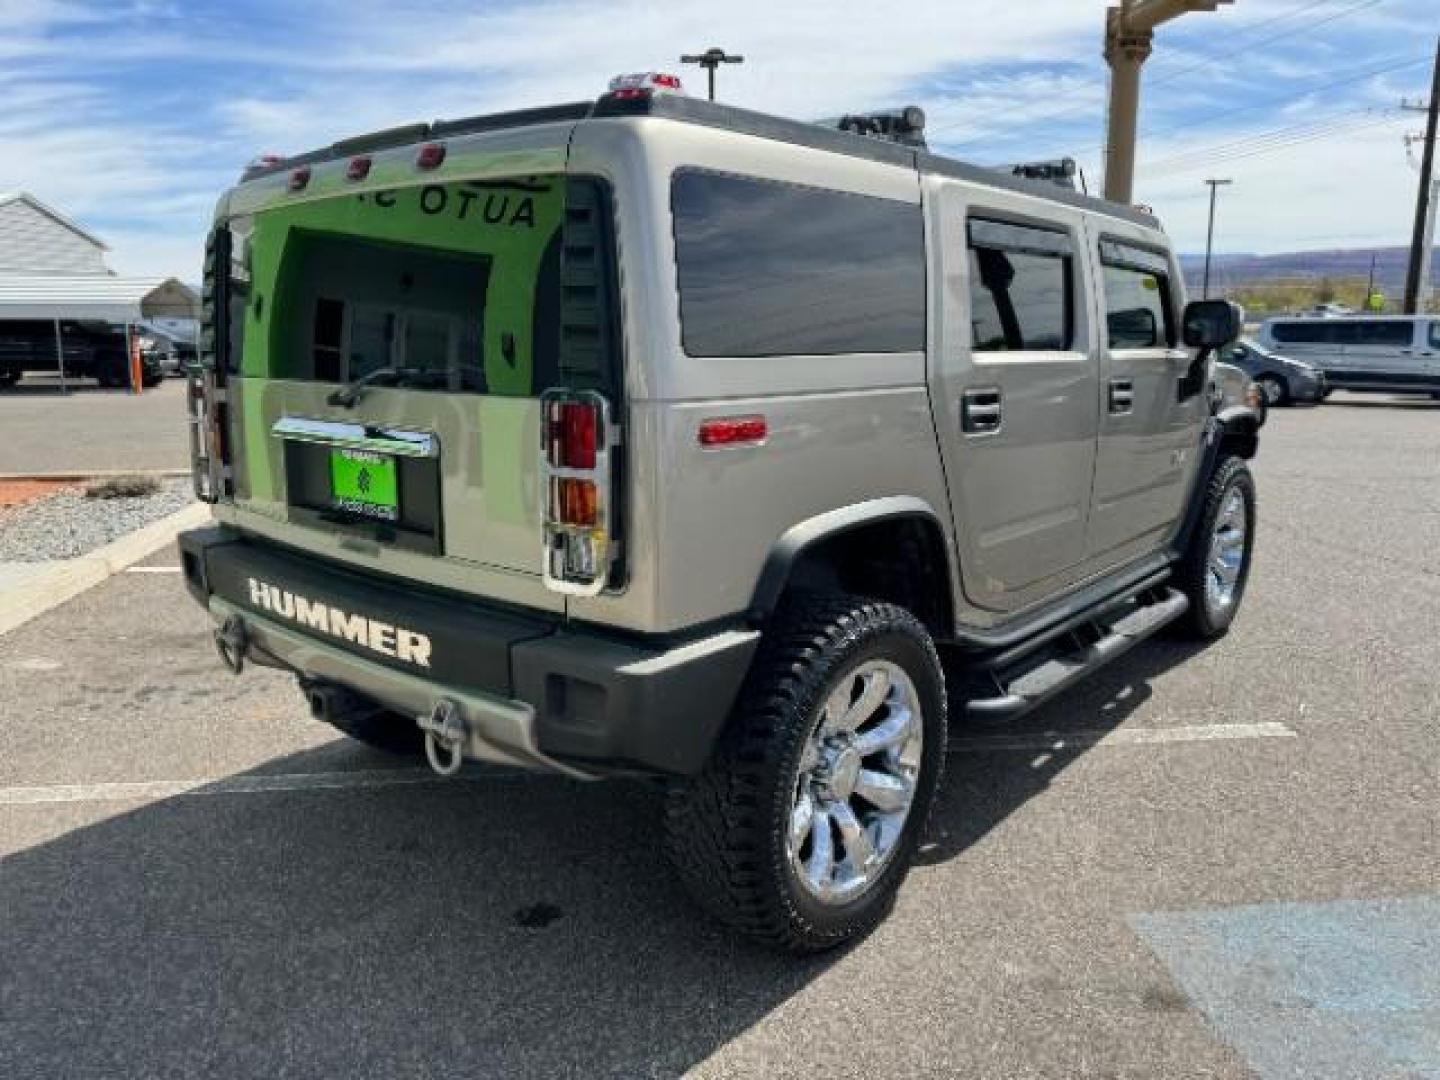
point(364, 483)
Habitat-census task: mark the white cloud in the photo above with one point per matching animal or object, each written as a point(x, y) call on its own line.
point(134, 116)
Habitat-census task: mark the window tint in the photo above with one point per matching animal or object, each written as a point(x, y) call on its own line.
point(1383, 333)
point(1435, 335)
point(1138, 307)
point(1020, 288)
point(773, 269)
point(1310, 332)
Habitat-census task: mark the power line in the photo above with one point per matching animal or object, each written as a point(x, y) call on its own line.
point(1210, 118)
point(1232, 53)
point(1284, 16)
point(1206, 161)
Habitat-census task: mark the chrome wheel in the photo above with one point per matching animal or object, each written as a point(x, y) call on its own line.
point(1272, 390)
point(856, 782)
point(1227, 552)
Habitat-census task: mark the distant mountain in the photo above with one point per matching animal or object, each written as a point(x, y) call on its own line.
point(1232, 271)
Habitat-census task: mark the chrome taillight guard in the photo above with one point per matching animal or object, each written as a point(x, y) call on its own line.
point(204, 402)
point(564, 542)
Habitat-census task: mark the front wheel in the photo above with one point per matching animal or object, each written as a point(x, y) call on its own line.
point(1216, 565)
point(805, 822)
point(1275, 390)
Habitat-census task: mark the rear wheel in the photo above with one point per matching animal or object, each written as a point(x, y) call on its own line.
point(1216, 566)
point(804, 823)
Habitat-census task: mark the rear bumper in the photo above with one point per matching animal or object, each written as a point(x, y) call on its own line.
point(534, 691)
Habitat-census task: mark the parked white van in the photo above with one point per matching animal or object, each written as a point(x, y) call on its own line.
point(1399, 354)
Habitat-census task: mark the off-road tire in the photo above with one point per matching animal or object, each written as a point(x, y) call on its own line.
point(1200, 621)
point(725, 828)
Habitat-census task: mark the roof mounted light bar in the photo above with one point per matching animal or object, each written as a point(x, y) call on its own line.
point(904, 126)
point(1059, 171)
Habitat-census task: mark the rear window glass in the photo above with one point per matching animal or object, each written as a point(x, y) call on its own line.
point(773, 269)
point(456, 287)
point(1020, 288)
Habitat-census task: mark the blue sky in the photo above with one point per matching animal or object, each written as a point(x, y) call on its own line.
point(133, 115)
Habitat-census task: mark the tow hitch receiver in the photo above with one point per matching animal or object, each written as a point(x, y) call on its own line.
point(232, 642)
point(445, 732)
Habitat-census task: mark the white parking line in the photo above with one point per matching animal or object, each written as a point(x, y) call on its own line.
point(1072, 740)
point(152, 569)
point(265, 784)
point(258, 784)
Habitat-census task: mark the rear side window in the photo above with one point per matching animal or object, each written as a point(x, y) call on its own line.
point(774, 269)
point(1021, 288)
point(1382, 333)
point(1138, 307)
point(1317, 332)
point(1435, 335)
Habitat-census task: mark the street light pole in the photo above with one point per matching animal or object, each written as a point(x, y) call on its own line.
point(1210, 235)
point(711, 59)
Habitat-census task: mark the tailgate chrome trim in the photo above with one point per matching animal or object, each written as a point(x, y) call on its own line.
point(352, 436)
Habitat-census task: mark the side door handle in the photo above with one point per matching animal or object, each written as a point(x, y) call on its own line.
point(1122, 397)
point(980, 412)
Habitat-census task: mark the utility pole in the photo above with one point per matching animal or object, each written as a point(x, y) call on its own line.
point(1210, 235)
point(1419, 252)
point(1129, 35)
point(711, 59)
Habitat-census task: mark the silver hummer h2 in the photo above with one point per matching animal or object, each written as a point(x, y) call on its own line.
point(648, 436)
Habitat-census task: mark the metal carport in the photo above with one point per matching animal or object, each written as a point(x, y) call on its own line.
point(98, 298)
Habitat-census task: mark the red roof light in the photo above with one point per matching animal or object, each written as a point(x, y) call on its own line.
point(358, 169)
point(431, 156)
point(299, 178)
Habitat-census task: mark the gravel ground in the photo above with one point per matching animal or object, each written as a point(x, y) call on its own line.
point(67, 525)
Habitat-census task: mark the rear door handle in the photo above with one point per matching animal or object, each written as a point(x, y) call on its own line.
point(980, 412)
point(1122, 397)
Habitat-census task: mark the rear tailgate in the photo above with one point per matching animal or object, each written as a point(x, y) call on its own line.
point(388, 345)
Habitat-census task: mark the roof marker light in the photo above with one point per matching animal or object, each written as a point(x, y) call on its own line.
point(431, 156)
point(299, 178)
point(644, 83)
point(359, 168)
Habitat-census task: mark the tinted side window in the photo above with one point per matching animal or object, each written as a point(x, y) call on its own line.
point(1137, 297)
point(773, 269)
point(1435, 335)
point(1303, 333)
point(1384, 333)
point(1020, 288)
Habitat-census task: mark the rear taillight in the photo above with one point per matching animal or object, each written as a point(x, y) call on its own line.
point(576, 441)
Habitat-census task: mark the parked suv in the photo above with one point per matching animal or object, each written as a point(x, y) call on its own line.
point(648, 436)
point(1387, 355)
point(91, 350)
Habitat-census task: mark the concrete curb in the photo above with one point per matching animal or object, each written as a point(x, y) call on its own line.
point(94, 474)
point(38, 587)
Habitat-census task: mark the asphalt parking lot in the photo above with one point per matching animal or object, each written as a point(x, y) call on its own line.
point(91, 429)
point(1242, 877)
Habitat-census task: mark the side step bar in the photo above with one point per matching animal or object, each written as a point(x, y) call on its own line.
point(1110, 636)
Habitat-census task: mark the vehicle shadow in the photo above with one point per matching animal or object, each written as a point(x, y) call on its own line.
point(499, 925)
point(52, 388)
point(985, 786)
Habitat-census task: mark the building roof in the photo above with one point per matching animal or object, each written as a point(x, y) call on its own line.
point(51, 212)
point(104, 299)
